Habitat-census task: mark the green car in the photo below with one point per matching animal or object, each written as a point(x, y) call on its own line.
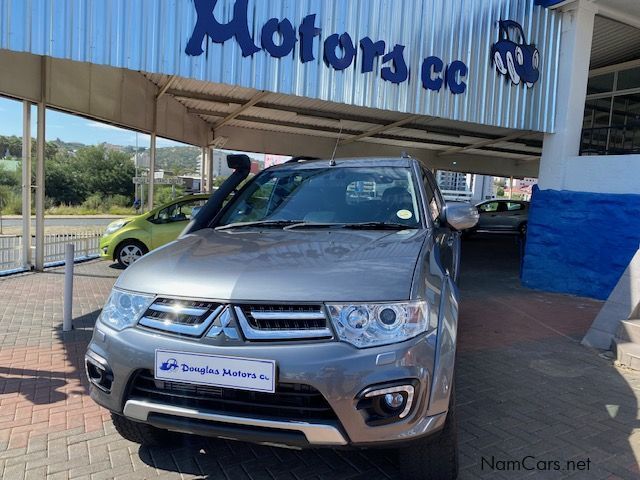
point(128, 239)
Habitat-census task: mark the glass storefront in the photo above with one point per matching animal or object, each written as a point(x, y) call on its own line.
point(612, 114)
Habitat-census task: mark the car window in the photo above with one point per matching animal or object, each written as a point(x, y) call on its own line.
point(489, 207)
point(179, 212)
point(434, 201)
point(328, 195)
point(513, 206)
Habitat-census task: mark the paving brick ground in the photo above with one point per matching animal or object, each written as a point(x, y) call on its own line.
point(526, 389)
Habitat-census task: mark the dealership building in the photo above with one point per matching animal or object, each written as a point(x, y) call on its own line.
point(512, 88)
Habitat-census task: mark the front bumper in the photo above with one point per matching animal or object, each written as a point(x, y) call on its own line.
point(337, 370)
point(106, 252)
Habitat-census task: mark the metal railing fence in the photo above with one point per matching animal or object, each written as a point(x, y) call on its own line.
point(10, 252)
point(86, 245)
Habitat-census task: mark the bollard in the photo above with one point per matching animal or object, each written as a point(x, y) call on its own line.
point(68, 288)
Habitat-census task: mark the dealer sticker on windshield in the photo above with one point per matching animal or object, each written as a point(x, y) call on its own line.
point(404, 214)
point(216, 370)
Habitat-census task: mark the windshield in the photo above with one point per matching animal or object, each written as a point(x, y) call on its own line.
point(385, 195)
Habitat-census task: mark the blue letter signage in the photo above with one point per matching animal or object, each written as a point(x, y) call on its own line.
point(278, 38)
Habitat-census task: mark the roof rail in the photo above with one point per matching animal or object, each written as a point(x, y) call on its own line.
point(301, 159)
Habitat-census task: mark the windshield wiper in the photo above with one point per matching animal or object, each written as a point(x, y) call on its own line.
point(377, 226)
point(260, 223)
point(314, 225)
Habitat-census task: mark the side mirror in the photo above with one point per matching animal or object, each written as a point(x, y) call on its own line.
point(461, 216)
point(239, 162)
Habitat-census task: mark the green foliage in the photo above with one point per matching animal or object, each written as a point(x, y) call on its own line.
point(500, 192)
point(121, 201)
point(82, 210)
point(178, 160)
point(10, 201)
point(10, 192)
point(10, 179)
point(162, 194)
point(83, 179)
point(12, 145)
point(92, 173)
point(218, 181)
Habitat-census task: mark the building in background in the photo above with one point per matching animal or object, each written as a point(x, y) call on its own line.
point(271, 160)
point(483, 188)
point(466, 187)
point(453, 181)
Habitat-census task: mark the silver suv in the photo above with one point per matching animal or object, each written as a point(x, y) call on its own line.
point(316, 308)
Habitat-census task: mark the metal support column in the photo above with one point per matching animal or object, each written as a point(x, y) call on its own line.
point(203, 169)
point(152, 169)
point(40, 151)
point(210, 156)
point(26, 185)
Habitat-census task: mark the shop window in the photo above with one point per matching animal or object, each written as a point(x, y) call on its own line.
point(628, 79)
point(611, 124)
point(601, 84)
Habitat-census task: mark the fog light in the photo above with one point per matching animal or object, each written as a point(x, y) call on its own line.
point(408, 390)
point(394, 400)
point(386, 404)
point(99, 373)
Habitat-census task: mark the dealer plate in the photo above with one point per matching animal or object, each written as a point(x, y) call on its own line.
point(216, 370)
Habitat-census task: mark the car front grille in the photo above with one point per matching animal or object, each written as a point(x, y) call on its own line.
point(285, 317)
point(291, 401)
point(184, 317)
point(273, 322)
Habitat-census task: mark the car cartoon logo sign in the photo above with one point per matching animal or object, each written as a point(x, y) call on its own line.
point(513, 57)
point(169, 365)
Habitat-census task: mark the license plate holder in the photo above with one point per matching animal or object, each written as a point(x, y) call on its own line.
point(216, 370)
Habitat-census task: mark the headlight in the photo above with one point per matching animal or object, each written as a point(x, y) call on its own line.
point(123, 309)
point(379, 324)
point(115, 226)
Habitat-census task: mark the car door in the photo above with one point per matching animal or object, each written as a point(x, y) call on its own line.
point(514, 215)
point(447, 241)
point(502, 217)
point(489, 215)
point(171, 220)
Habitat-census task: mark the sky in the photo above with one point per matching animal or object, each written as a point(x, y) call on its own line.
point(71, 128)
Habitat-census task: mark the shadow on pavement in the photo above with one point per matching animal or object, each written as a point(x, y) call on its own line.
point(41, 387)
point(75, 343)
point(36, 386)
point(221, 459)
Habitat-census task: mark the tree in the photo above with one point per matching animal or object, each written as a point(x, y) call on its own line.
point(95, 170)
point(108, 172)
point(500, 192)
point(64, 183)
point(10, 179)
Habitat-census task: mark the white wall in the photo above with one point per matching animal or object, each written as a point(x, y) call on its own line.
point(573, 72)
point(602, 174)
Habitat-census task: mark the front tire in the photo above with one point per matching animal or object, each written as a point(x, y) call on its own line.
point(434, 457)
point(129, 252)
point(139, 433)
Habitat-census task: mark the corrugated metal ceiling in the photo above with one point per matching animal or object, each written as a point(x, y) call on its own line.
point(613, 42)
point(307, 116)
